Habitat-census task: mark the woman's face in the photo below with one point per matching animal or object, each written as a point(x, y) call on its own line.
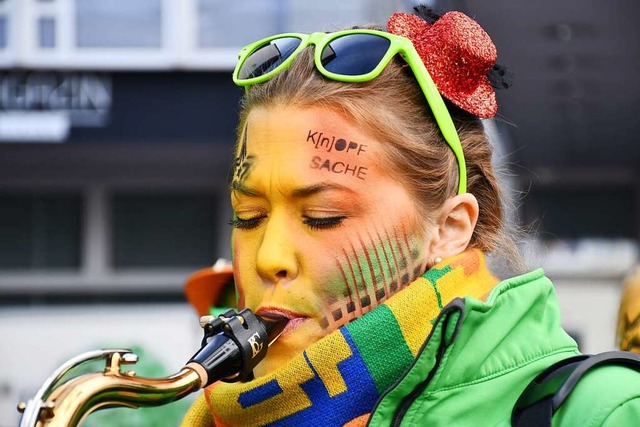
point(322, 232)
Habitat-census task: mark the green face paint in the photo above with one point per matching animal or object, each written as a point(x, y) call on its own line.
point(371, 269)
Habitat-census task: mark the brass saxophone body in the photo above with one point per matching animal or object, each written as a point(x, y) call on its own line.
point(233, 344)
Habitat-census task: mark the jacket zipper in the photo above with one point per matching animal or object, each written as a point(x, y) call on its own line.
point(456, 304)
point(409, 399)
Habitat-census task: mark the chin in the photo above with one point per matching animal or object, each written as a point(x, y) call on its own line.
point(277, 357)
point(286, 348)
point(268, 365)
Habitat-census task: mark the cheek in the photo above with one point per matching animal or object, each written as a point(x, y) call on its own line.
point(242, 269)
point(320, 272)
point(371, 265)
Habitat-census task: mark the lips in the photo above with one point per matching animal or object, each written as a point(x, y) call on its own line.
point(295, 319)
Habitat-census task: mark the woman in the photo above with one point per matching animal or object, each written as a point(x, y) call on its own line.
point(363, 210)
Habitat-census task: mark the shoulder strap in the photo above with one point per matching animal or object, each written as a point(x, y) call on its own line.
point(548, 391)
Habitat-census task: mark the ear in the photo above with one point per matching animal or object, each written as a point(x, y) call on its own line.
point(455, 225)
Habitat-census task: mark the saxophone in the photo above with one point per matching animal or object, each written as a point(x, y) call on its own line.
point(233, 344)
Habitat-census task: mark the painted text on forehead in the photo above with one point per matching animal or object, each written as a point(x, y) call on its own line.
point(326, 143)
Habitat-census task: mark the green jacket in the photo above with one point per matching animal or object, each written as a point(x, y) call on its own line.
point(481, 355)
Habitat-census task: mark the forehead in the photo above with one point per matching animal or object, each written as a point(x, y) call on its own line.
point(266, 125)
point(316, 141)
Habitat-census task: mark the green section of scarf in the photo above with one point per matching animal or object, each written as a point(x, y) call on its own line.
point(338, 379)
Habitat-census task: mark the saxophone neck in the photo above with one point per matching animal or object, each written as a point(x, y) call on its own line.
point(233, 345)
point(69, 403)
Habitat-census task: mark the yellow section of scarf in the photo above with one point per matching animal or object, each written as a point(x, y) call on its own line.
point(414, 308)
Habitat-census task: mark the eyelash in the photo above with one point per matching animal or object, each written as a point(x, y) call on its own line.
point(312, 223)
point(324, 223)
point(246, 223)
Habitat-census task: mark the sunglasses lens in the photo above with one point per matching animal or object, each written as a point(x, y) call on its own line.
point(354, 54)
point(268, 57)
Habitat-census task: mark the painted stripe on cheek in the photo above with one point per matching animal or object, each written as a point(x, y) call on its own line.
point(398, 283)
point(382, 266)
point(372, 272)
point(404, 260)
point(365, 300)
point(355, 282)
point(350, 305)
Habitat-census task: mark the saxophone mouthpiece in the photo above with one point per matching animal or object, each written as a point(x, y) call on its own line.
point(274, 324)
point(233, 344)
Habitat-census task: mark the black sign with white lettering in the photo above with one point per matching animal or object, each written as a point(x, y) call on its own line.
point(131, 107)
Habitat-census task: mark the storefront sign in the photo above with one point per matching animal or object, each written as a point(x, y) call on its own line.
point(43, 106)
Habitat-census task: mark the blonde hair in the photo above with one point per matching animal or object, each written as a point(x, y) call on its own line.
point(392, 108)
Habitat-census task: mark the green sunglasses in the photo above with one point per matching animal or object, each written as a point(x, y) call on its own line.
point(348, 56)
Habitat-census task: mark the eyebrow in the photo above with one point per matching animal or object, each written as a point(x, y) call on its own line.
point(301, 192)
point(247, 191)
point(318, 188)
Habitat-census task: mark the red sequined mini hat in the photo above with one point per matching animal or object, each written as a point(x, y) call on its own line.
point(457, 53)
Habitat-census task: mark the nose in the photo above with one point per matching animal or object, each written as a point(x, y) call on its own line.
point(277, 258)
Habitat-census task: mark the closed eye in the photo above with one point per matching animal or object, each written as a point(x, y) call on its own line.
point(324, 222)
point(246, 223)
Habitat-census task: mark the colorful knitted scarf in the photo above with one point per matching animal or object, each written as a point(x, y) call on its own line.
point(338, 379)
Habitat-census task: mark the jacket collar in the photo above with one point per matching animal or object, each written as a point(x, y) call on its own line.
point(474, 340)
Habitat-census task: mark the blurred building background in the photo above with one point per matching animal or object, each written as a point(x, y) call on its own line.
point(117, 119)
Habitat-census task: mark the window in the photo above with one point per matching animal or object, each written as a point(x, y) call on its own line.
point(4, 29)
point(40, 231)
point(222, 23)
point(163, 230)
point(46, 32)
point(118, 23)
point(162, 34)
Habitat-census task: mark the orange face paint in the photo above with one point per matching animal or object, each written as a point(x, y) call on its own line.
point(322, 232)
